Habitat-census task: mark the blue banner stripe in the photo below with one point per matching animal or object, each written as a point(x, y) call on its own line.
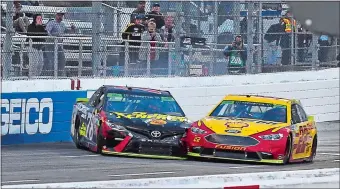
point(35, 113)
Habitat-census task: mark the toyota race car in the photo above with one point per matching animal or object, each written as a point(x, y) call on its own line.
point(254, 128)
point(130, 121)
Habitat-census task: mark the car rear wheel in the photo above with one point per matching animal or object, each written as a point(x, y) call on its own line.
point(314, 147)
point(288, 150)
point(76, 134)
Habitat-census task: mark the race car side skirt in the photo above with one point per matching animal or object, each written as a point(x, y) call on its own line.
point(108, 152)
point(214, 157)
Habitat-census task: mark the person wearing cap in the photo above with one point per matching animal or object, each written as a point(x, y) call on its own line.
point(57, 28)
point(288, 26)
point(140, 10)
point(156, 15)
point(237, 55)
point(134, 32)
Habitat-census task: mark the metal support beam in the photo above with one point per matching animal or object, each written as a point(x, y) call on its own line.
point(96, 36)
point(7, 48)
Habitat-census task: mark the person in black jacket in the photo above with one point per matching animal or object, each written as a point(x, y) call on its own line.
point(155, 14)
point(272, 38)
point(36, 58)
point(134, 32)
point(140, 10)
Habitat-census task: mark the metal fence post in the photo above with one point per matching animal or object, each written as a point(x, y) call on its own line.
point(80, 60)
point(96, 25)
point(336, 49)
point(169, 59)
point(148, 64)
point(30, 54)
point(126, 58)
point(105, 54)
point(292, 42)
point(178, 28)
point(261, 39)
point(56, 48)
point(315, 49)
point(250, 42)
point(215, 48)
point(21, 54)
point(119, 17)
point(237, 16)
point(7, 51)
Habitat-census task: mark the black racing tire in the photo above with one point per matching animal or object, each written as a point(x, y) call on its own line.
point(76, 134)
point(288, 150)
point(100, 141)
point(314, 148)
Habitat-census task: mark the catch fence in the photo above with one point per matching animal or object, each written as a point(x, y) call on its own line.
point(202, 31)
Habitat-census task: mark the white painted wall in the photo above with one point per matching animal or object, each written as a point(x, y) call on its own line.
point(317, 90)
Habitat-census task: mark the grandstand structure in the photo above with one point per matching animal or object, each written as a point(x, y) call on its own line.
point(217, 28)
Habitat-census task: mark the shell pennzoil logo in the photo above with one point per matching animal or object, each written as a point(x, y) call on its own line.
point(157, 122)
point(236, 125)
point(228, 147)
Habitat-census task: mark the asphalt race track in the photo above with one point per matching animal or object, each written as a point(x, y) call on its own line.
point(62, 162)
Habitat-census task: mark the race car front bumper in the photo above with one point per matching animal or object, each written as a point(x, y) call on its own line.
point(240, 148)
point(199, 155)
point(140, 146)
point(111, 152)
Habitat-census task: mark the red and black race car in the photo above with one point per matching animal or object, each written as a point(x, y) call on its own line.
point(130, 121)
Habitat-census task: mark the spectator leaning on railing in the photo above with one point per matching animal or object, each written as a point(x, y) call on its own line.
point(36, 58)
point(57, 28)
point(133, 32)
point(151, 35)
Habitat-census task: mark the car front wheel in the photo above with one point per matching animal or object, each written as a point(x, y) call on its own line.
point(100, 141)
point(288, 150)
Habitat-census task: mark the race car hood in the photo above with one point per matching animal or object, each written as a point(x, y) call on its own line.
point(240, 127)
point(141, 121)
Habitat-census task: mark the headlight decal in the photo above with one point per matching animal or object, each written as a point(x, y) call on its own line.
point(198, 130)
point(272, 136)
point(115, 126)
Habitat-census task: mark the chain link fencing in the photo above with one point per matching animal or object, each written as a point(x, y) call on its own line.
point(199, 43)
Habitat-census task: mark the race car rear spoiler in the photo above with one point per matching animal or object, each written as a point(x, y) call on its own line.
point(82, 100)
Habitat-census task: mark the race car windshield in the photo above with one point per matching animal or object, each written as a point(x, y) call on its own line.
point(152, 104)
point(251, 110)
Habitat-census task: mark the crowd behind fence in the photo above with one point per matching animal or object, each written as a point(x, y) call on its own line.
point(189, 39)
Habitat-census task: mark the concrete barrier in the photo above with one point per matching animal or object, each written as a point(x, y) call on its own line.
point(262, 180)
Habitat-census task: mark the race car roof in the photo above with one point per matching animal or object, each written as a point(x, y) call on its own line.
point(136, 89)
point(258, 98)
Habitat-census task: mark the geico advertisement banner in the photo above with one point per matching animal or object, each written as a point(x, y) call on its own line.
point(37, 116)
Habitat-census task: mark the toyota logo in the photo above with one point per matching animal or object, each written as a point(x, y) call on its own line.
point(156, 134)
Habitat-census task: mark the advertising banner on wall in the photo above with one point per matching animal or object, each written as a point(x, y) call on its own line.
point(35, 117)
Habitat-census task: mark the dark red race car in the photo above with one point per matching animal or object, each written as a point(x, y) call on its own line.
point(130, 121)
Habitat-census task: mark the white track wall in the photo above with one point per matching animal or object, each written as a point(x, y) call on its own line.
point(317, 90)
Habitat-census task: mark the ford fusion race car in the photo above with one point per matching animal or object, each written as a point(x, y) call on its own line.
point(130, 121)
point(254, 128)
